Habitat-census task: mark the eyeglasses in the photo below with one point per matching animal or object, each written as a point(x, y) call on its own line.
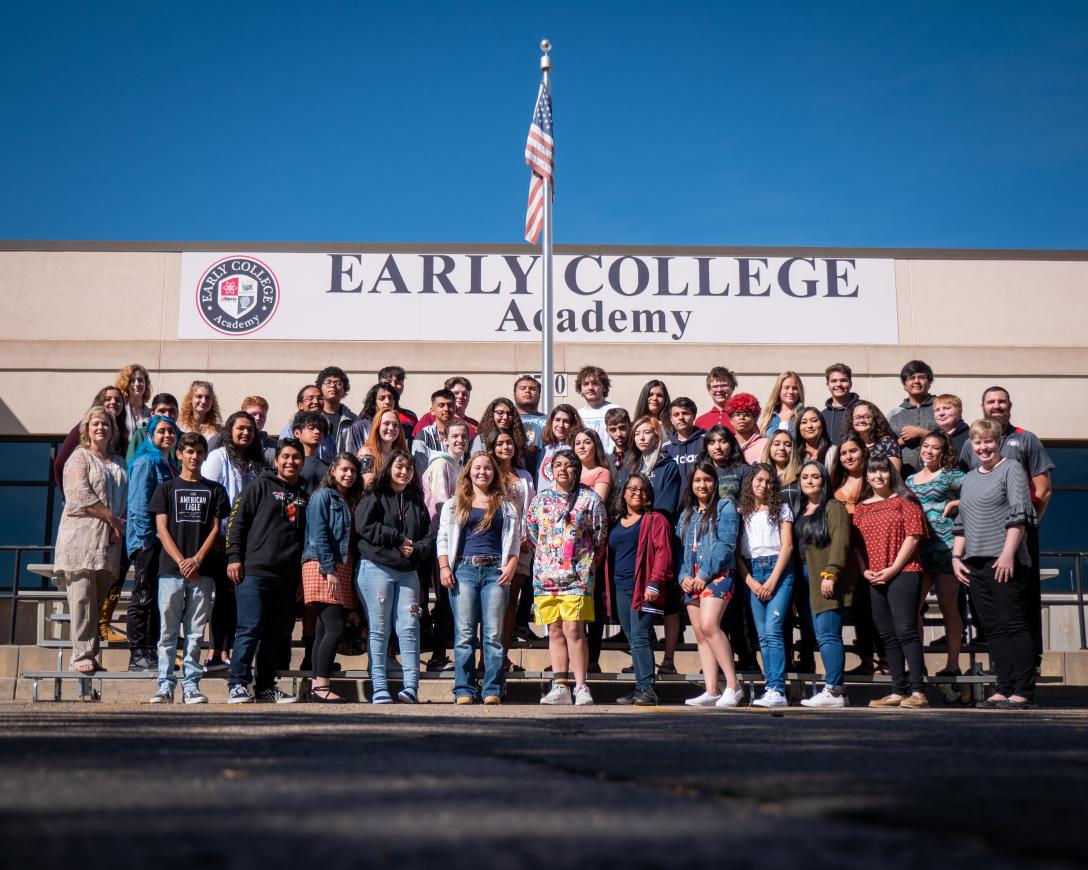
point(562, 466)
point(866, 418)
point(634, 490)
point(332, 382)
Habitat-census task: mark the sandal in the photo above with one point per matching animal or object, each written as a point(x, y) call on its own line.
point(315, 696)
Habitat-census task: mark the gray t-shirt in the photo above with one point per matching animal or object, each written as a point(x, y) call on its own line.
point(991, 503)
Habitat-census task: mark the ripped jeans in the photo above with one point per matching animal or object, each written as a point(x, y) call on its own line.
point(390, 595)
point(769, 617)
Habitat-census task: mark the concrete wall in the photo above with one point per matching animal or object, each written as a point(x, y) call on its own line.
point(73, 317)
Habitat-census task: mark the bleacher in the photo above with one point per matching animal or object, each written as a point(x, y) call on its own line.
point(53, 620)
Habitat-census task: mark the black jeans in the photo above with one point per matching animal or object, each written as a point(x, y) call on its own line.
point(741, 631)
point(800, 616)
point(867, 639)
point(442, 614)
point(1006, 617)
point(595, 629)
point(895, 612)
point(224, 612)
point(143, 607)
point(1033, 601)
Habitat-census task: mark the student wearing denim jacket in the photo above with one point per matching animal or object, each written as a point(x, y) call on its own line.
point(707, 530)
point(326, 567)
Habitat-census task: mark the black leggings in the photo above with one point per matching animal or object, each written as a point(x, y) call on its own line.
point(895, 612)
point(330, 625)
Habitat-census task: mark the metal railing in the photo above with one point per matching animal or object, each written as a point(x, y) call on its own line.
point(46, 550)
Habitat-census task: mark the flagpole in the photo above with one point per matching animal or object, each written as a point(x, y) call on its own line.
point(547, 364)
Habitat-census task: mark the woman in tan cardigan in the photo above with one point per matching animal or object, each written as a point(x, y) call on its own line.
point(92, 530)
point(822, 531)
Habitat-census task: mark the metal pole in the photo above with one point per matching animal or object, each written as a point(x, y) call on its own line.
point(547, 364)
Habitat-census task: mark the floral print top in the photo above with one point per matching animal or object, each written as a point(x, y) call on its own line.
point(567, 546)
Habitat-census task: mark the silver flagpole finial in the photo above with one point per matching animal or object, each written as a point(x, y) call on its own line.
point(545, 61)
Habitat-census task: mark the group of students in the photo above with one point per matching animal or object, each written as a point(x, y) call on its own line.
point(751, 521)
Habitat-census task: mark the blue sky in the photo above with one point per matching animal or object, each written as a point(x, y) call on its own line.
point(847, 124)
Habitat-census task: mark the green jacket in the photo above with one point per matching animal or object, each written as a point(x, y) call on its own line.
point(834, 558)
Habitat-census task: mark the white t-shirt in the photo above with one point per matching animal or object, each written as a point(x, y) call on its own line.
point(593, 418)
point(760, 537)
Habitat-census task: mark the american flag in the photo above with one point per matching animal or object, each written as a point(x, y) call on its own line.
point(539, 157)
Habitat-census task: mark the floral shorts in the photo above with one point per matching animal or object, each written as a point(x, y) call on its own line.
point(720, 587)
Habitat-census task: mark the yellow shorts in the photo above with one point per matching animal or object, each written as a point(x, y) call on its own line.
point(569, 608)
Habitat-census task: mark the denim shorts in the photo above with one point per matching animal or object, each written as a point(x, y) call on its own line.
point(720, 587)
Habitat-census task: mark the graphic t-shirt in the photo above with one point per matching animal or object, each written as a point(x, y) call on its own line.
point(190, 507)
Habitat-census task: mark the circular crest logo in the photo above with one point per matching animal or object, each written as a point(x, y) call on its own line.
point(237, 295)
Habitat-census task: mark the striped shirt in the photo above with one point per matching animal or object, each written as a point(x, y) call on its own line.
point(990, 503)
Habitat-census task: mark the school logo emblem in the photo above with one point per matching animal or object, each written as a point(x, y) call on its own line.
point(238, 295)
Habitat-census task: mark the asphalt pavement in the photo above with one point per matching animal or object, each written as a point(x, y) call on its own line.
point(435, 786)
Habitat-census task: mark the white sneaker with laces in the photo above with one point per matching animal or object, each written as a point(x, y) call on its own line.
point(824, 698)
point(558, 695)
point(582, 696)
point(731, 697)
point(771, 698)
point(703, 700)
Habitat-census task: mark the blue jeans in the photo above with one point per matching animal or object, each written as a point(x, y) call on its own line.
point(478, 598)
point(265, 606)
point(828, 627)
point(390, 595)
point(189, 604)
point(769, 617)
point(639, 628)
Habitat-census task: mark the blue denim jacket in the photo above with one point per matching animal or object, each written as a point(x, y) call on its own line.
point(328, 530)
point(715, 550)
point(144, 476)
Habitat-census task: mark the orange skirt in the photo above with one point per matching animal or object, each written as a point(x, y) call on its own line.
point(316, 591)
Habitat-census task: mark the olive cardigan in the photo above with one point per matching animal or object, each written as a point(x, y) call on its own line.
point(833, 558)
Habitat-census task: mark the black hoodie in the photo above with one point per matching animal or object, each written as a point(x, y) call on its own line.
point(384, 519)
point(267, 528)
point(834, 417)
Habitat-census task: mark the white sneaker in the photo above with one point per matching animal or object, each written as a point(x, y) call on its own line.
point(731, 698)
point(703, 700)
point(582, 696)
point(771, 698)
point(824, 698)
point(559, 695)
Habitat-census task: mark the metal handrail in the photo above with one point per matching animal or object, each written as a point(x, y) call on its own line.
point(1078, 557)
point(16, 578)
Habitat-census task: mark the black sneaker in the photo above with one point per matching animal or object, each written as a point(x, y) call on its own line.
point(439, 664)
point(646, 698)
point(140, 664)
point(630, 669)
point(275, 696)
point(523, 634)
point(628, 699)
